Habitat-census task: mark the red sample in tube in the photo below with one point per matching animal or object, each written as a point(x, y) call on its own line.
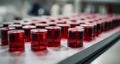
point(95, 29)
point(53, 36)
point(75, 37)
point(16, 40)
point(4, 36)
point(64, 30)
point(27, 30)
point(88, 32)
point(99, 28)
point(39, 39)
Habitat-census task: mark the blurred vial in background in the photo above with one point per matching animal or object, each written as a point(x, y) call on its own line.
point(55, 9)
point(68, 9)
point(102, 9)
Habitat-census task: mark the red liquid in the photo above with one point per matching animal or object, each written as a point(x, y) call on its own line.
point(95, 29)
point(106, 28)
point(107, 25)
point(27, 30)
point(89, 32)
point(39, 39)
point(53, 36)
point(4, 36)
point(99, 29)
point(64, 30)
point(16, 40)
point(75, 38)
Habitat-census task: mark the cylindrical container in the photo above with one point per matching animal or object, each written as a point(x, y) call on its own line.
point(53, 36)
point(95, 29)
point(41, 25)
point(64, 30)
point(39, 39)
point(75, 37)
point(16, 40)
point(99, 28)
point(27, 30)
point(106, 25)
point(4, 36)
point(89, 32)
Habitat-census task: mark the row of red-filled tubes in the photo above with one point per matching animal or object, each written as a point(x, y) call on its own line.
point(50, 33)
point(40, 38)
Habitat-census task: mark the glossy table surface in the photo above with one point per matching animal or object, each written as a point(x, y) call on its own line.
point(111, 56)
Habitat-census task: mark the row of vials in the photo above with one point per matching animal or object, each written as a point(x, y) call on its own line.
point(48, 31)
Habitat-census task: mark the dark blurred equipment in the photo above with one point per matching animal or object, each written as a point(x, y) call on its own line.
point(34, 9)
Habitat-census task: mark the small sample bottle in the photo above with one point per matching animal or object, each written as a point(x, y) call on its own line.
point(88, 32)
point(39, 39)
point(75, 37)
point(64, 30)
point(4, 36)
point(53, 36)
point(16, 40)
point(27, 30)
